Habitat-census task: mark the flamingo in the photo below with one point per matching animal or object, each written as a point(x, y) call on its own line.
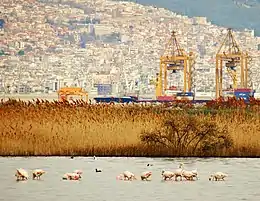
point(21, 174)
point(178, 172)
point(189, 175)
point(37, 173)
point(167, 175)
point(146, 175)
point(128, 175)
point(217, 176)
point(71, 176)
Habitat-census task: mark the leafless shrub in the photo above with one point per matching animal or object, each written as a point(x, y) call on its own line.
point(189, 135)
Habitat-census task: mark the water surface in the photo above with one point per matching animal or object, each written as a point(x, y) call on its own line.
point(242, 184)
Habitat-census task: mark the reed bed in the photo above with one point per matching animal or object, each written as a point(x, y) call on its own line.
point(42, 128)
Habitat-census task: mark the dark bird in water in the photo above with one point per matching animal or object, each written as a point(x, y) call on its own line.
point(149, 164)
point(71, 157)
point(97, 170)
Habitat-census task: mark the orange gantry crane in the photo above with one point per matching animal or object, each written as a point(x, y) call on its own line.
point(174, 59)
point(230, 53)
point(64, 92)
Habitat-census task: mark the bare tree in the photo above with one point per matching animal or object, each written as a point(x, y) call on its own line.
point(189, 135)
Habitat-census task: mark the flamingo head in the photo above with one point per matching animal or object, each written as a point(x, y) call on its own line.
point(181, 165)
point(134, 177)
point(148, 174)
point(43, 172)
point(195, 172)
point(120, 177)
point(211, 177)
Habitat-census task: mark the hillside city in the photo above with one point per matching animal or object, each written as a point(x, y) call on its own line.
point(49, 44)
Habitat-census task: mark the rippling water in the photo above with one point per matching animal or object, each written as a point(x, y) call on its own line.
point(242, 184)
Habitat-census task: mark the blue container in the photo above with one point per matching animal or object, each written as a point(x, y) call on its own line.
point(184, 94)
point(115, 99)
point(2, 23)
point(243, 95)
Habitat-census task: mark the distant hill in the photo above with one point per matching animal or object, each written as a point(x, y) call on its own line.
point(237, 14)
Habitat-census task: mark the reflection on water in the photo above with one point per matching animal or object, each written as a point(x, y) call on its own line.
point(242, 184)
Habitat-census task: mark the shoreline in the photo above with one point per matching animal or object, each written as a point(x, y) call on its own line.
point(108, 156)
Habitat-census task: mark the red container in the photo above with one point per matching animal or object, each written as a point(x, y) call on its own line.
point(243, 90)
point(165, 98)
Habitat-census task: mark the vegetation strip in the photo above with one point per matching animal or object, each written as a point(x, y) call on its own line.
point(41, 128)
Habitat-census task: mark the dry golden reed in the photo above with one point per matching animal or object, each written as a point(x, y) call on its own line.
point(63, 129)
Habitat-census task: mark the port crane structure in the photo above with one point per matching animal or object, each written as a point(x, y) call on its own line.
point(230, 54)
point(64, 92)
point(174, 59)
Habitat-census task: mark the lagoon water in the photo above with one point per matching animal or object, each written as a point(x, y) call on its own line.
point(242, 184)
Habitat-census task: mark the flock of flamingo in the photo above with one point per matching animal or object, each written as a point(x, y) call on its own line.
point(22, 174)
